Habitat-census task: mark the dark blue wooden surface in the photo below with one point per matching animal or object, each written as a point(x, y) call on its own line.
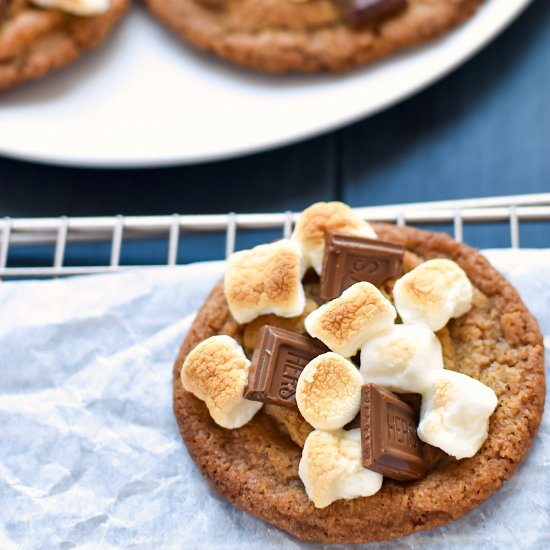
point(484, 130)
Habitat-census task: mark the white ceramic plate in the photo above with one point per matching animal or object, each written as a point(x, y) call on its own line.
point(146, 99)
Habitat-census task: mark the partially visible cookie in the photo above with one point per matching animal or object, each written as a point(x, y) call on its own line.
point(308, 35)
point(34, 41)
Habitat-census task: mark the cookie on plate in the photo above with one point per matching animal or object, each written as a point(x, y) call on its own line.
point(310, 35)
point(460, 356)
point(37, 36)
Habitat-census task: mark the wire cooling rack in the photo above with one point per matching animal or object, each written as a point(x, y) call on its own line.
point(20, 232)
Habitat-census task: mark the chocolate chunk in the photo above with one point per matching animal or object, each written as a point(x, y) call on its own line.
point(277, 363)
point(349, 260)
point(364, 12)
point(389, 441)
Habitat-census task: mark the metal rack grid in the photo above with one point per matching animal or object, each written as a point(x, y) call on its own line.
point(59, 231)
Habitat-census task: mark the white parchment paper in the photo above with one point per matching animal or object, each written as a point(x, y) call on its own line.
point(90, 454)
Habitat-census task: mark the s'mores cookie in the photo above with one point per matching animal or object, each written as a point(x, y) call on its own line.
point(37, 36)
point(429, 420)
point(310, 35)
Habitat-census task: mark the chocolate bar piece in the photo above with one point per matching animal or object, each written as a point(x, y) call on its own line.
point(363, 12)
point(349, 260)
point(390, 444)
point(277, 363)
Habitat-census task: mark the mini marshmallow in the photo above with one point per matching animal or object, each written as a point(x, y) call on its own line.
point(216, 371)
point(316, 221)
point(402, 358)
point(328, 393)
point(432, 293)
point(76, 7)
point(455, 413)
point(331, 468)
point(347, 322)
point(266, 279)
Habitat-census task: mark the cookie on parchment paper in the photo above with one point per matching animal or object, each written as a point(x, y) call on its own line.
point(306, 36)
point(35, 40)
point(256, 467)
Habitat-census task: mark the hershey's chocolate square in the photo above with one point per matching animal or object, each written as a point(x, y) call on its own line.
point(390, 444)
point(277, 363)
point(349, 260)
point(363, 12)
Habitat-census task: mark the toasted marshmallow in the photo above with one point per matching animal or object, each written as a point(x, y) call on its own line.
point(316, 221)
point(216, 371)
point(76, 7)
point(331, 468)
point(347, 322)
point(266, 279)
point(402, 358)
point(328, 393)
point(455, 413)
point(432, 293)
